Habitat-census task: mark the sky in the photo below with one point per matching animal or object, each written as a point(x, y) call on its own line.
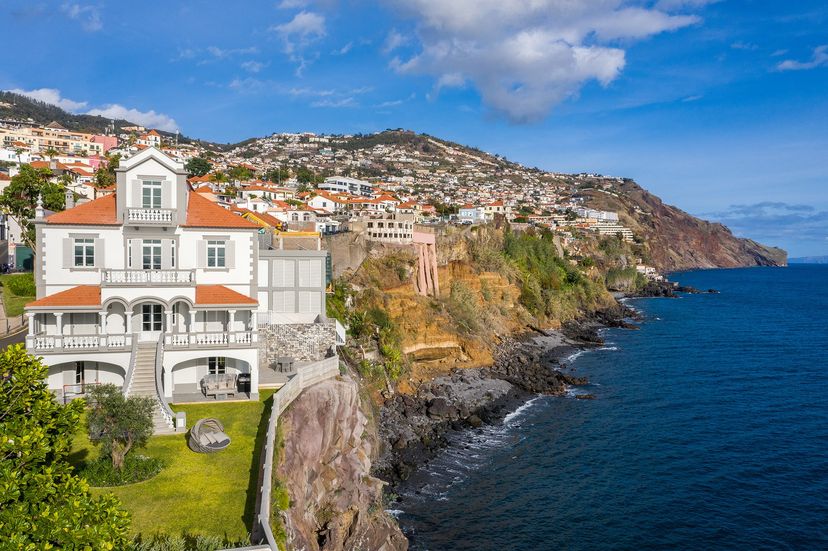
point(717, 106)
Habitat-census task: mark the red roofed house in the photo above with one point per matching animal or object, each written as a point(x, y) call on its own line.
point(156, 289)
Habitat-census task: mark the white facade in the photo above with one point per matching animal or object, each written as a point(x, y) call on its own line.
point(155, 262)
point(343, 184)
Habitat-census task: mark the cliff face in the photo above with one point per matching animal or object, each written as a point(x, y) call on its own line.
point(335, 503)
point(679, 241)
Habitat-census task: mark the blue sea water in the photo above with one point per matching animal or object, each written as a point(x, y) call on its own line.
point(709, 431)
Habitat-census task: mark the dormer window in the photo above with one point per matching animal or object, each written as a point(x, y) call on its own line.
point(151, 194)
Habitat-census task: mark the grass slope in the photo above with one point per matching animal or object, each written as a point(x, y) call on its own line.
point(210, 494)
point(18, 289)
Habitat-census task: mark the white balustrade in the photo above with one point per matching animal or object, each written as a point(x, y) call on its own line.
point(153, 216)
point(81, 342)
point(148, 277)
point(211, 339)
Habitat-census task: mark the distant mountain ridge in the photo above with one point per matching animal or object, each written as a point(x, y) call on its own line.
point(16, 107)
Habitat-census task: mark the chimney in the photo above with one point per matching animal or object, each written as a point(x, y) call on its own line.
point(70, 199)
point(39, 208)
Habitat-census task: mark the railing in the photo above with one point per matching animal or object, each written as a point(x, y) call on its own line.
point(132, 359)
point(166, 411)
point(341, 333)
point(72, 343)
point(230, 338)
point(148, 277)
point(305, 376)
point(150, 216)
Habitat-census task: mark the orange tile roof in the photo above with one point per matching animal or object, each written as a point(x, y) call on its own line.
point(206, 295)
point(82, 295)
point(203, 213)
point(100, 212)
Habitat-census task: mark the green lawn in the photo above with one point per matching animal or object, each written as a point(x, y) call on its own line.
point(211, 494)
point(16, 289)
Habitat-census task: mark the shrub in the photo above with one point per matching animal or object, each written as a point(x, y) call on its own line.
point(183, 542)
point(22, 285)
point(136, 468)
point(463, 308)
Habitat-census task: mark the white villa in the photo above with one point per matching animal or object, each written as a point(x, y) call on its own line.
point(155, 287)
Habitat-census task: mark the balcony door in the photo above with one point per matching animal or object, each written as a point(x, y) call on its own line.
point(152, 322)
point(151, 254)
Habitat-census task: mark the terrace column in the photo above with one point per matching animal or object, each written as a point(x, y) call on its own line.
point(191, 314)
point(169, 316)
point(59, 318)
point(32, 324)
point(102, 324)
point(128, 320)
point(231, 321)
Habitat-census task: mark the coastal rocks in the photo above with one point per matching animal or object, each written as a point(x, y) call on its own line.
point(415, 427)
point(335, 505)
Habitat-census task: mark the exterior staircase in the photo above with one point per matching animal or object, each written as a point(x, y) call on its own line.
point(143, 384)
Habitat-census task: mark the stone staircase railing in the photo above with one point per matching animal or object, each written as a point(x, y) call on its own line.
point(166, 411)
point(133, 357)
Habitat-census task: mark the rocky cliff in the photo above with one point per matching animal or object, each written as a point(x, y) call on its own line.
point(676, 240)
point(334, 502)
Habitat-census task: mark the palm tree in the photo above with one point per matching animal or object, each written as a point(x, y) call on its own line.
point(51, 152)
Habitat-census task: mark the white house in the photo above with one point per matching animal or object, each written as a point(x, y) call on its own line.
point(152, 288)
point(470, 214)
point(343, 184)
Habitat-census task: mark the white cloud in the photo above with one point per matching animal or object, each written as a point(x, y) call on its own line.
point(292, 4)
point(336, 103)
point(747, 46)
point(818, 59)
point(253, 66)
point(221, 53)
point(89, 16)
point(344, 49)
point(393, 41)
point(305, 28)
point(526, 56)
point(51, 96)
point(150, 119)
point(670, 5)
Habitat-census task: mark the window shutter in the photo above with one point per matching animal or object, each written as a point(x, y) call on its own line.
point(136, 194)
point(137, 261)
point(230, 253)
point(166, 194)
point(166, 254)
point(316, 273)
point(68, 253)
point(304, 275)
point(99, 253)
point(201, 254)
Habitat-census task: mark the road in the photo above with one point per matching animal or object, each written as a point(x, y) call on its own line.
point(14, 338)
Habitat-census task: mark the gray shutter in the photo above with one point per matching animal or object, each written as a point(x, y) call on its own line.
point(68, 256)
point(304, 274)
point(201, 254)
point(137, 261)
point(136, 194)
point(166, 194)
point(166, 254)
point(230, 254)
point(99, 253)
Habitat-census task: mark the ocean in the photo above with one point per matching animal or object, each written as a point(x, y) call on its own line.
point(709, 430)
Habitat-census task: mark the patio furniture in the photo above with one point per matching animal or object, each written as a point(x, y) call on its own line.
point(208, 436)
point(219, 385)
point(284, 364)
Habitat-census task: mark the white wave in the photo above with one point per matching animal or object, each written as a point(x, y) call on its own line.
point(395, 512)
point(519, 411)
point(608, 348)
point(572, 357)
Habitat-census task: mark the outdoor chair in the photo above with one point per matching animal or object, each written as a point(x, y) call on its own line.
point(208, 436)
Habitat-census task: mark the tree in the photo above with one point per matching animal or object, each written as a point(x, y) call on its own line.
point(198, 166)
point(20, 198)
point(51, 152)
point(278, 175)
point(118, 423)
point(43, 504)
point(240, 174)
point(105, 175)
point(218, 177)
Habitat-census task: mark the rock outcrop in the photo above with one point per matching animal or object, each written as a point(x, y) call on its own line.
point(678, 241)
point(335, 503)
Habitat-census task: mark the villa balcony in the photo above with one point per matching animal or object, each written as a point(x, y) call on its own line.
point(115, 278)
point(76, 343)
point(161, 217)
point(119, 343)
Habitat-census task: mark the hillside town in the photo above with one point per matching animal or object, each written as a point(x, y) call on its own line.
point(381, 185)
